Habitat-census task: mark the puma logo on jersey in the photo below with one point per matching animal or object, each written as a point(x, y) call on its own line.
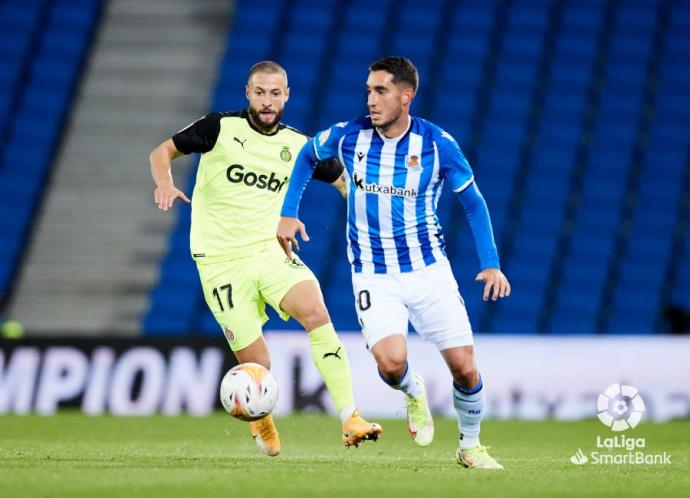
point(236, 174)
point(333, 354)
point(241, 142)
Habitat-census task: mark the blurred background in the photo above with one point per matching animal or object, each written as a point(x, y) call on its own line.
point(574, 114)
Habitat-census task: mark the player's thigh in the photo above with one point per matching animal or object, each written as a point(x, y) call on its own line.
point(232, 296)
point(278, 275)
point(380, 306)
point(304, 302)
point(437, 310)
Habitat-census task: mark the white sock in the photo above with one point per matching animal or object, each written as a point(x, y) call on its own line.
point(407, 383)
point(469, 404)
point(346, 413)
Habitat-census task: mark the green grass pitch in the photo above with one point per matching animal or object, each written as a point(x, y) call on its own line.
point(73, 456)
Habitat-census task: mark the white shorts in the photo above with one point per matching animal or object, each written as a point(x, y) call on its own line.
point(428, 298)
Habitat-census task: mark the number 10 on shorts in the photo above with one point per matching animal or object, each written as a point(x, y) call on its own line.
point(227, 290)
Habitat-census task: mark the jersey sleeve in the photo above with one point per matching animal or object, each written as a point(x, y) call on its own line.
point(326, 141)
point(200, 136)
point(454, 165)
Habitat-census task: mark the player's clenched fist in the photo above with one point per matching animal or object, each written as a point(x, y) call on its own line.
point(496, 280)
point(165, 196)
point(287, 234)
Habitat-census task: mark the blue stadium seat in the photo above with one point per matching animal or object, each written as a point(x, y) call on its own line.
point(602, 119)
point(42, 46)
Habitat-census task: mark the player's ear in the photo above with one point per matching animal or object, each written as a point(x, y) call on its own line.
point(407, 96)
point(246, 91)
point(287, 93)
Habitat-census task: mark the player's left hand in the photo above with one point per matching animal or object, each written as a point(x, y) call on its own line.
point(287, 234)
point(494, 278)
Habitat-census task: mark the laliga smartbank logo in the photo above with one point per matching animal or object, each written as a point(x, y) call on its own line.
point(620, 407)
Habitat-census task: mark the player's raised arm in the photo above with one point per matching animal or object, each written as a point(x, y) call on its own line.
point(160, 159)
point(200, 136)
point(458, 171)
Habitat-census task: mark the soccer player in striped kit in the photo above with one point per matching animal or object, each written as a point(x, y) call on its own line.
point(395, 166)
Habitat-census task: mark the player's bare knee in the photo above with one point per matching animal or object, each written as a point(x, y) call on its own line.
point(465, 375)
point(391, 367)
point(313, 316)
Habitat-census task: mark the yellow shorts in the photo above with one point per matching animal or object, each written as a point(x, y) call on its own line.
point(237, 290)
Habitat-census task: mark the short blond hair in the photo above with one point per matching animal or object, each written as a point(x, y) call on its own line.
point(269, 67)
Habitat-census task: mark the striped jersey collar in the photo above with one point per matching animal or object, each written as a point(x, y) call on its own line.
point(399, 137)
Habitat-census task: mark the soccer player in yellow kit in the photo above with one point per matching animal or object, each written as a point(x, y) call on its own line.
point(246, 161)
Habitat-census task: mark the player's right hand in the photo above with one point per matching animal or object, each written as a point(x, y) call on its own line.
point(494, 278)
point(287, 234)
point(165, 196)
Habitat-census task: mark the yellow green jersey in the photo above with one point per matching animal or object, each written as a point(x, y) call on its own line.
point(240, 183)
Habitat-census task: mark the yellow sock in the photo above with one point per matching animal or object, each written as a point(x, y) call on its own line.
point(330, 359)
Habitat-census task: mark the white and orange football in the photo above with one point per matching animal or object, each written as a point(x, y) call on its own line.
point(249, 391)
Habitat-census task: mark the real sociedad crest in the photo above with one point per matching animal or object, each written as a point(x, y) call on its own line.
point(412, 163)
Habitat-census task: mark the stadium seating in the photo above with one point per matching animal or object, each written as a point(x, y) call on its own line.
point(573, 114)
point(177, 302)
point(42, 47)
point(656, 252)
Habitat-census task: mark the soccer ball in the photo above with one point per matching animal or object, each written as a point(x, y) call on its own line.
point(248, 391)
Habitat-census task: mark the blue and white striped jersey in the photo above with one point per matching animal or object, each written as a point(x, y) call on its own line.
point(394, 186)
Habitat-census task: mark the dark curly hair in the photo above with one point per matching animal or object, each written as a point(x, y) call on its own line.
point(401, 68)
